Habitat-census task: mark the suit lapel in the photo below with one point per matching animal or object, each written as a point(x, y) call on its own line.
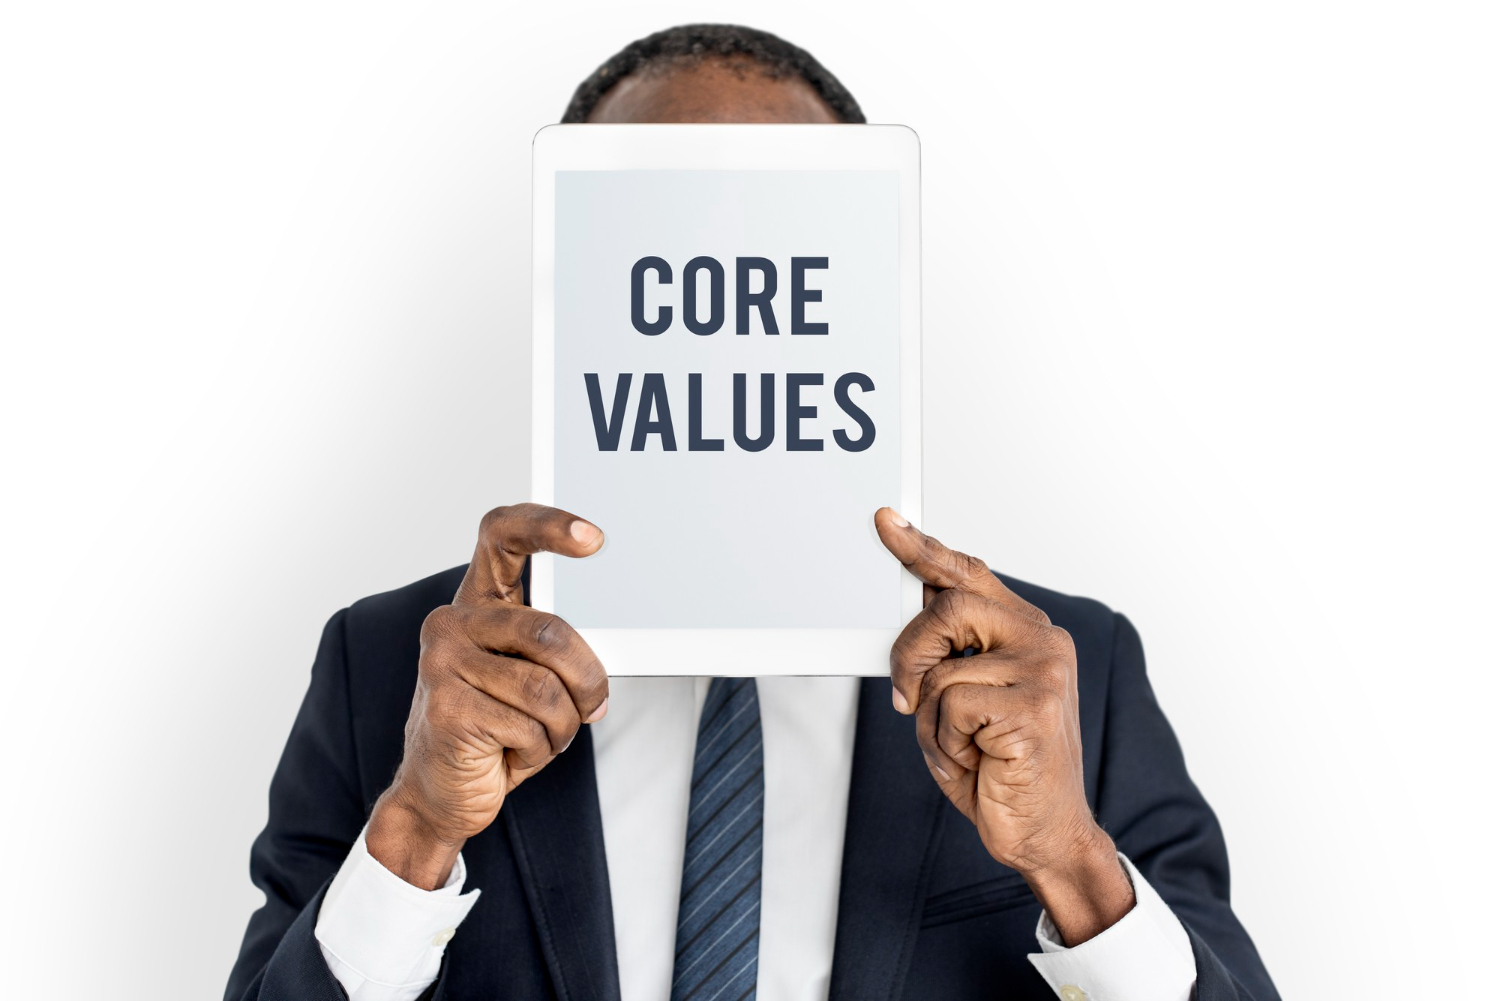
point(555, 829)
point(896, 813)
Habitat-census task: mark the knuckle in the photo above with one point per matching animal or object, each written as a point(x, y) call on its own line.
point(437, 639)
point(439, 624)
point(954, 609)
point(1055, 674)
point(1045, 712)
point(491, 519)
point(528, 755)
point(448, 709)
point(440, 665)
point(549, 633)
point(442, 706)
point(510, 726)
point(532, 740)
point(973, 567)
point(969, 702)
point(948, 604)
point(542, 688)
point(1060, 643)
point(951, 706)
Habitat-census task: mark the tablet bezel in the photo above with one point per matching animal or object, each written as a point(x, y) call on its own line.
point(729, 652)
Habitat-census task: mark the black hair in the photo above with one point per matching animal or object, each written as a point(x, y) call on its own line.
point(692, 43)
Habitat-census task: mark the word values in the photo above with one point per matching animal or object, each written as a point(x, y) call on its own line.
point(653, 413)
point(702, 314)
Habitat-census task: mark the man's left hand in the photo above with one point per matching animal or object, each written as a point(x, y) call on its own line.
point(999, 729)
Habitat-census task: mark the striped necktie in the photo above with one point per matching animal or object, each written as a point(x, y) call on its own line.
point(718, 919)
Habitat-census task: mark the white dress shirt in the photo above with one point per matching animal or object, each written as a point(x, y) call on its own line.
point(383, 938)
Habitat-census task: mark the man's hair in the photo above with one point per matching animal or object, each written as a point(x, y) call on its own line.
point(693, 43)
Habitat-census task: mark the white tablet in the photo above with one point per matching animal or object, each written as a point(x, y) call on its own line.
point(727, 381)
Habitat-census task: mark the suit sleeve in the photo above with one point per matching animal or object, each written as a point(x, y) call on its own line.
point(316, 813)
point(1158, 818)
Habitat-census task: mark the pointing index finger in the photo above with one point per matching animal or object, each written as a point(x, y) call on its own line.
point(934, 563)
point(508, 535)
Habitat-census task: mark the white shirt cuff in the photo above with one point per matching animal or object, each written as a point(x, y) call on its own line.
point(382, 937)
point(1145, 956)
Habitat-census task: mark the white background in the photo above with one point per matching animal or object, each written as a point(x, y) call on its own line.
point(1211, 318)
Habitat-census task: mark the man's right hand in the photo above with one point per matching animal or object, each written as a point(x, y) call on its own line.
point(501, 691)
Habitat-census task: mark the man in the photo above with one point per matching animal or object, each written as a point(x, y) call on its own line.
point(1009, 817)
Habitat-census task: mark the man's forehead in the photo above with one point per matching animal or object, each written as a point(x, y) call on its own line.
point(711, 90)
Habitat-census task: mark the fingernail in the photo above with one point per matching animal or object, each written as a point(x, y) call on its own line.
point(598, 714)
point(584, 533)
point(899, 521)
point(899, 701)
point(934, 765)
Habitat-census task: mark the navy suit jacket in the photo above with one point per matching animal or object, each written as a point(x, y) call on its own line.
point(924, 911)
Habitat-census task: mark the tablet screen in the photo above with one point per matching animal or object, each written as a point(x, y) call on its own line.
point(726, 396)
